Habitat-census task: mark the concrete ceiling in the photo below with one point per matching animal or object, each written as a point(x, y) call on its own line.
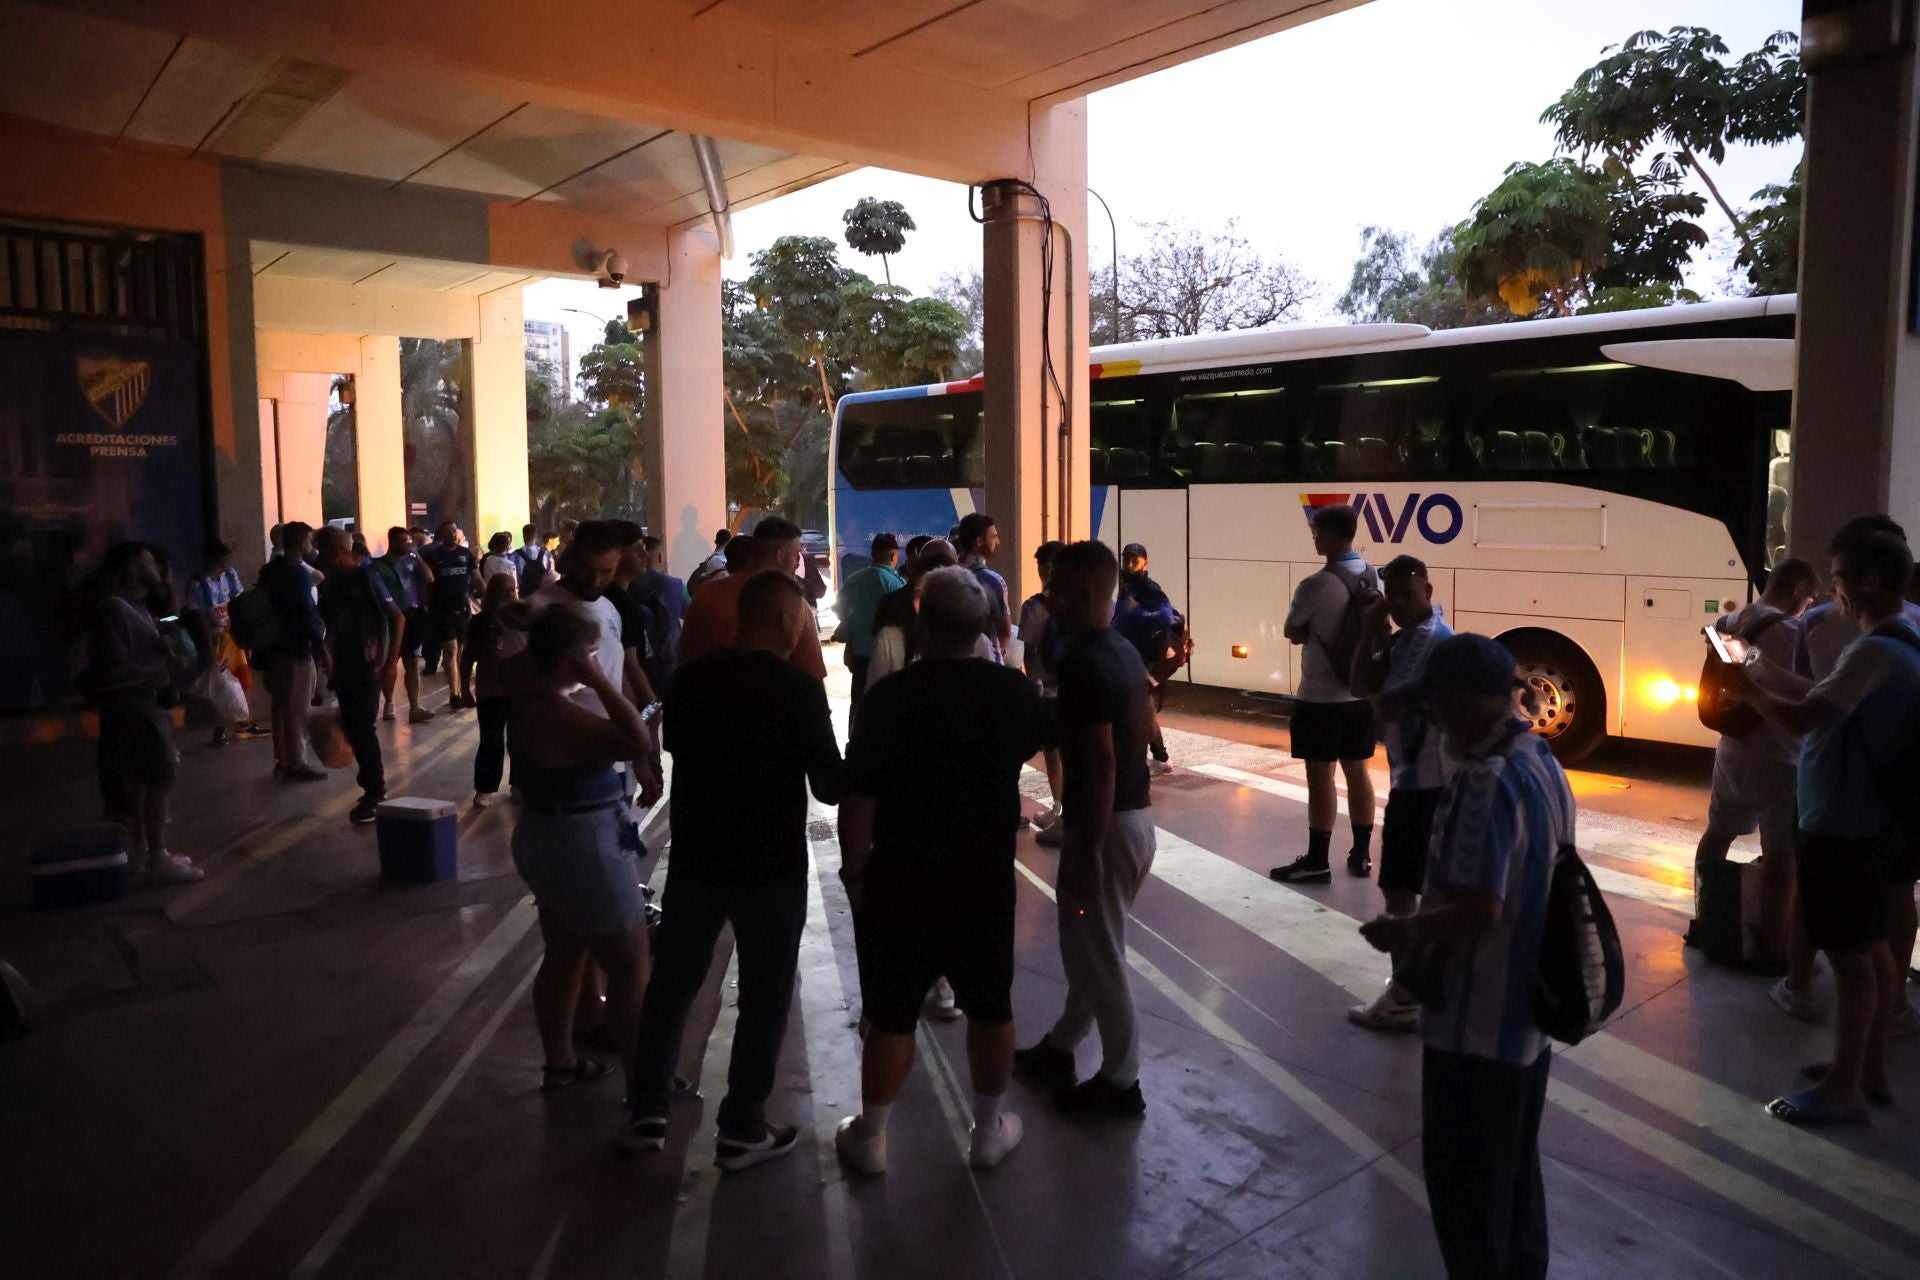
point(385, 270)
point(124, 81)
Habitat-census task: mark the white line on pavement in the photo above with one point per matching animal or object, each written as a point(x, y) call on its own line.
point(376, 1181)
point(693, 1212)
point(240, 1221)
point(833, 1063)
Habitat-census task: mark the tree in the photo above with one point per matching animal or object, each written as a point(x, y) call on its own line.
point(1770, 255)
point(967, 294)
point(431, 375)
point(1651, 229)
point(1189, 282)
point(895, 339)
point(610, 370)
point(339, 473)
point(1535, 240)
point(1392, 283)
point(878, 227)
point(1676, 90)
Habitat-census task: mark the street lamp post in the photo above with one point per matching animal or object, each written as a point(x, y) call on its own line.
point(1113, 232)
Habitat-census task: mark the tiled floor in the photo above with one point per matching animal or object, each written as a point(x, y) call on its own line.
point(290, 1070)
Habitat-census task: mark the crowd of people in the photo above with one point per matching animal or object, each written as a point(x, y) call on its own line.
point(588, 661)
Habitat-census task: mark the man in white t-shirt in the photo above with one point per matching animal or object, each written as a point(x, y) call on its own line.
point(1330, 725)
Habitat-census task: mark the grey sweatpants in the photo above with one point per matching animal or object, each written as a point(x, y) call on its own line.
point(1093, 948)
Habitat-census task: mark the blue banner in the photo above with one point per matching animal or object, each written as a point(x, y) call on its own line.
point(100, 441)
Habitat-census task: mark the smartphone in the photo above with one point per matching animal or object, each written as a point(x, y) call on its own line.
point(1730, 649)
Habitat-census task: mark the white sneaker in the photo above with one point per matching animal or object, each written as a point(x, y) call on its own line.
point(990, 1148)
point(1793, 1003)
point(859, 1150)
point(481, 799)
point(171, 868)
point(1385, 1012)
point(942, 1005)
point(1159, 768)
point(1047, 820)
point(1905, 1023)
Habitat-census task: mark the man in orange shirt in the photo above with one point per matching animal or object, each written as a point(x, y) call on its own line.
point(713, 620)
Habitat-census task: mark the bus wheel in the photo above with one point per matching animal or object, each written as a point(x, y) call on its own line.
point(1570, 702)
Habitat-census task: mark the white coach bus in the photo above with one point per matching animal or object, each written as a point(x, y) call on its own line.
point(1591, 490)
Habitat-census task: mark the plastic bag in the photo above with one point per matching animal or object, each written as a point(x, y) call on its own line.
point(222, 691)
point(329, 741)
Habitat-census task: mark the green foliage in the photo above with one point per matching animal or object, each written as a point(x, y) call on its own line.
point(610, 370)
point(1535, 240)
point(1771, 255)
point(967, 294)
point(878, 227)
point(1395, 283)
point(584, 457)
point(432, 373)
point(1637, 297)
point(1651, 229)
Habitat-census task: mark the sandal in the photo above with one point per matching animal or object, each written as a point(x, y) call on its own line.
point(1810, 1109)
point(554, 1079)
point(1817, 1071)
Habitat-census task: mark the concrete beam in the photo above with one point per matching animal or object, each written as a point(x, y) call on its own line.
point(324, 306)
point(713, 72)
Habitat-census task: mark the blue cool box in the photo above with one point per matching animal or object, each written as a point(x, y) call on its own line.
point(417, 839)
point(80, 866)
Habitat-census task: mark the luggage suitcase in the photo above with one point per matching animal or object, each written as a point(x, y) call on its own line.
point(1726, 916)
point(80, 866)
point(417, 840)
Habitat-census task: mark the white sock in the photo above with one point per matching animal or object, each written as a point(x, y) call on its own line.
point(873, 1117)
point(986, 1110)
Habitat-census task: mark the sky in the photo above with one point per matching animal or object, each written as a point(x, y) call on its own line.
point(1399, 113)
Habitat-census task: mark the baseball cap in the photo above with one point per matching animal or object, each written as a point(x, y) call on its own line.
point(1470, 664)
point(1133, 550)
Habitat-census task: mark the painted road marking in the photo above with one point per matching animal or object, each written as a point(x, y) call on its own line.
point(1322, 1112)
point(693, 1215)
point(240, 1221)
point(833, 1061)
point(1330, 943)
point(1625, 884)
point(376, 1181)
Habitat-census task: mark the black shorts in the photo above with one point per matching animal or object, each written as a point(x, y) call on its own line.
point(1843, 891)
point(1405, 837)
point(135, 751)
point(1324, 731)
point(451, 624)
point(917, 923)
point(413, 632)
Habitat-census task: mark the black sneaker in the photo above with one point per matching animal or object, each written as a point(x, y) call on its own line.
point(1302, 870)
point(1360, 863)
point(641, 1133)
point(1045, 1065)
point(363, 813)
point(1098, 1098)
point(734, 1154)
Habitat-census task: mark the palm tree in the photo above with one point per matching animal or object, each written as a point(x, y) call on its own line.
point(431, 373)
point(878, 227)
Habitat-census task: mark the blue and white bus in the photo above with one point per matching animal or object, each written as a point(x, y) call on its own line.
point(1592, 490)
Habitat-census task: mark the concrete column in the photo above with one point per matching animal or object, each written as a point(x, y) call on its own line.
point(1856, 405)
point(1036, 431)
point(498, 393)
point(380, 452)
point(691, 455)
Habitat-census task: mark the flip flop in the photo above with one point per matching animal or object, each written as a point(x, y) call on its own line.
point(1817, 1071)
point(554, 1079)
point(1809, 1109)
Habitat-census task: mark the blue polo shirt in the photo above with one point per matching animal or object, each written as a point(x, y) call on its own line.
point(1873, 693)
point(1506, 814)
point(857, 602)
point(1413, 745)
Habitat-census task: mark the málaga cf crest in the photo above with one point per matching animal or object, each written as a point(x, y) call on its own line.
point(115, 388)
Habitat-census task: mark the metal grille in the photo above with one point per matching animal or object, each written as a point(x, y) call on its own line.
point(85, 279)
point(1182, 781)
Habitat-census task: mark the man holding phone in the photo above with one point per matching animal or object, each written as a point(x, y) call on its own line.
point(1753, 773)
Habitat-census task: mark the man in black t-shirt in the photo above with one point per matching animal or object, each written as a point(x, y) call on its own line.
point(749, 734)
point(449, 602)
point(1106, 722)
point(930, 869)
point(360, 618)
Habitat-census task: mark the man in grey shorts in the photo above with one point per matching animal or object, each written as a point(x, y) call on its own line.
point(1106, 722)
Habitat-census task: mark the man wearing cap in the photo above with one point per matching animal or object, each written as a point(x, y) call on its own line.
point(1384, 669)
point(1505, 815)
point(856, 604)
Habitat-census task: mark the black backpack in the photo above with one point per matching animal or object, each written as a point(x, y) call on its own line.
point(1729, 717)
point(1346, 640)
point(1580, 973)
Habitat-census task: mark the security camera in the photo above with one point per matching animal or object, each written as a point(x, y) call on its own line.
point(614, 268)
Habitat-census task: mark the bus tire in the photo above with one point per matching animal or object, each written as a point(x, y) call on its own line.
point(1572, 713)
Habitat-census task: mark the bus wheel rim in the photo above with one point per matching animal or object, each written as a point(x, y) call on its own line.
point(1555, 692)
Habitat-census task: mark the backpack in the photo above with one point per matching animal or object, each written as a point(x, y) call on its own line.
point(1895, 784)
point(1730, 718)
point(1580, 972)
point(1346, 639)
point(251, 620)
